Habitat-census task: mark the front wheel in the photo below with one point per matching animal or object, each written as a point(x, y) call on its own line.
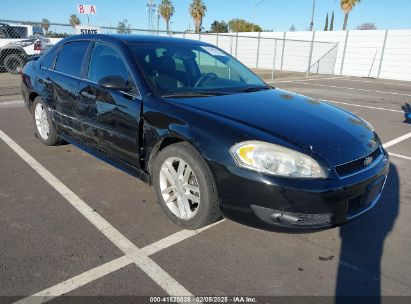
point(44, 129)
point(185, 187)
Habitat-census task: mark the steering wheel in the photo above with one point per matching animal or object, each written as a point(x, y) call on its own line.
point(205, 77)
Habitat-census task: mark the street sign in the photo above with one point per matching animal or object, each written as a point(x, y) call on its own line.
point(86, 9)
point(86, 29)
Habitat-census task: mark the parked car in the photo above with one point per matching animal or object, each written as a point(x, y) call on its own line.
point(18, 43)
point(209, 135)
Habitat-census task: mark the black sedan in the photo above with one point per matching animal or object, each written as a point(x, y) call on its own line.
point(210, 135)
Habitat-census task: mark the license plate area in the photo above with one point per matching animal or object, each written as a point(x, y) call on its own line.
point(359, 203)
point(374, 189)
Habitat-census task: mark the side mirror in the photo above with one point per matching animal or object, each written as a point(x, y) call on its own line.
point(115, 83)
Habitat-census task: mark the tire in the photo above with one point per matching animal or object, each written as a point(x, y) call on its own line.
point(51, 138)
point(13, 63)
point(205, 209)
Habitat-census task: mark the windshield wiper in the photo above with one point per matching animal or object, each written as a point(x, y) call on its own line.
point(253, 89)
point(195, 94)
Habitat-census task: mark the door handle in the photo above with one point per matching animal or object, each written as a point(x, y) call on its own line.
point(45, 81)
point(88, 95)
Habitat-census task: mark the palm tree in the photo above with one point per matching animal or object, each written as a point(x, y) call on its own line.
point(45, 24)
point(74, 20)
point(197, 11)
point(166, 10)
point(347, 6)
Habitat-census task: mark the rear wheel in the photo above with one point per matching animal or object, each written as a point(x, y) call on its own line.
point(13, 63)
point(184, 187)
point(44, 129)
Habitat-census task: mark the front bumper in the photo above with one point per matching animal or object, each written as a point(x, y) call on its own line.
point(276, 203)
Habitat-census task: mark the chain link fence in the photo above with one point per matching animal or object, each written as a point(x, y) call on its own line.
point(269, 57)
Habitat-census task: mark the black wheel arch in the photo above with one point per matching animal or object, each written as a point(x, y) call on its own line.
point(165, 141)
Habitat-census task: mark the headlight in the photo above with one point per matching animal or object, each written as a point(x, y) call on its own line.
point(276, 160)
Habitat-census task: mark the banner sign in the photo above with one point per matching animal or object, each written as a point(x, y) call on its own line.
point(86, 9)
point(87, 29)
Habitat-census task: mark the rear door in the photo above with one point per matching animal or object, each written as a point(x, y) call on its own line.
point(110, 118)
point(44, 78)
point(65, 80)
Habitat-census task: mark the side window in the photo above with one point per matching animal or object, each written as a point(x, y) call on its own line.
point(48, 60)
point(70, 58)
point(3, 33)
point(106, 61)
point(21, 31)
point(179, 64)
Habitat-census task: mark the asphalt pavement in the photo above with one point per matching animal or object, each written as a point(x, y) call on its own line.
point(73, 225)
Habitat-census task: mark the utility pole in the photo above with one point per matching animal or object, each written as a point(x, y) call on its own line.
point(254, 11)
point(151, 8)
point(158, 22)
point(312, 17)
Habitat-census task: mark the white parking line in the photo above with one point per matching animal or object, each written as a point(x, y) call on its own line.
point(362, 106)
point(353, 89)
point(399, 155)
point(77, 281)
point(304, 79)
point(109, 267)
point(376, 82)
point(12, 103)
point(174, 239)
point(396, 140)
point(151, 268)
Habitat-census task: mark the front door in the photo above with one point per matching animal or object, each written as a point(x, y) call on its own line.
point(110, 118)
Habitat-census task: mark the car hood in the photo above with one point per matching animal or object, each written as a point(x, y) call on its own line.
point(317, 128)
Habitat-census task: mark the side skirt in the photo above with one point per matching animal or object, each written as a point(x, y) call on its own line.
point(141, 175)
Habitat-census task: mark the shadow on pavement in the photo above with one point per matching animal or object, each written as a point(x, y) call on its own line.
point(362, 247)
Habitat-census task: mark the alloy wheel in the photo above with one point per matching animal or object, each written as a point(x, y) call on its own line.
point(179, 188)
point(42, 123)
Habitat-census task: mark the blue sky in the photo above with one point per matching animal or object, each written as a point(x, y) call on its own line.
point(272, 14)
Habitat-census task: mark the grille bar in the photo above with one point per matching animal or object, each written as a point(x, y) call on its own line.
point(358, 164)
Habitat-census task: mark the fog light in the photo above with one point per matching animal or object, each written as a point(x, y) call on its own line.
point(284, 218)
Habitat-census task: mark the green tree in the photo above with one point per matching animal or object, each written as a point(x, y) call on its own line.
point(240, 25)
point(123, 27)
point(74, 20)
point(219, 27)
point(197, 11)
point(347, 6)
point(293, 28)
point(166, 10)
point(57, 35)
point(332, 22)
point(367, 26)
point(45, 25)
point(326, 23)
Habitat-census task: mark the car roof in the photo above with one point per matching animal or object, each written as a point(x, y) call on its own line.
point(136, 38)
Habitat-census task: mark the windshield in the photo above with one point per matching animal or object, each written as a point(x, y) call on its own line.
point(192, 70)
point(37, 31)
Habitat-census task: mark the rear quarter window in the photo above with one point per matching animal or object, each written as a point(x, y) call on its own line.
point(70, 58)
point(49, 58)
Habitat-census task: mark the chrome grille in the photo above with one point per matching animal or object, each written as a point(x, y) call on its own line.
point(358, 164)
